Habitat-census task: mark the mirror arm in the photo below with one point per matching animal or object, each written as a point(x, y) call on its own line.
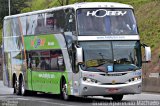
point(144, 45)
point(146, 61)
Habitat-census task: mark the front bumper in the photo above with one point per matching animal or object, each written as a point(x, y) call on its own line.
point(88, 89)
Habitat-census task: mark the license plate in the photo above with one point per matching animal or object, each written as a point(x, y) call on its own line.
point(112, 90)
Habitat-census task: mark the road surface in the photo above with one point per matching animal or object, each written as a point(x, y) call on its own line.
point(7, 98)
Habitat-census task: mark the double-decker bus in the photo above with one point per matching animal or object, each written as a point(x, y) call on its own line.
point(83, 49)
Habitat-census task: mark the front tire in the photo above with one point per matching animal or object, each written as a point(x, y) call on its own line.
point(64, 90)
point(117, 97)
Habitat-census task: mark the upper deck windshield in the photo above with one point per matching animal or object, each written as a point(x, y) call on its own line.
point(106, 22)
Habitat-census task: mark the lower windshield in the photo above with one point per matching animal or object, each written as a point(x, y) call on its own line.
point(111, 56)
point(106, 22)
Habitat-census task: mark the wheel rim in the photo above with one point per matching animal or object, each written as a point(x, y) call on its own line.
point(22, 88)
point(64, 91)
point(16, 86)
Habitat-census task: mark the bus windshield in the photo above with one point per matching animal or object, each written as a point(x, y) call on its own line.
point(106, 22)
point(111, 56)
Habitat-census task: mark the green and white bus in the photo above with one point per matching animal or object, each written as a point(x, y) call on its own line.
point(83, 49)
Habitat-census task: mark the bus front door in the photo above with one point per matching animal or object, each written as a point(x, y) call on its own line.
point(76, 83)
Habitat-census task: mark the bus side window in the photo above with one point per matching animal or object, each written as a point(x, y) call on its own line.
point(69, 20)
point(57, 60)
point(29, 61)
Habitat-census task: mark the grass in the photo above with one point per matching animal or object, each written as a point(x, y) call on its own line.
point(149, 23)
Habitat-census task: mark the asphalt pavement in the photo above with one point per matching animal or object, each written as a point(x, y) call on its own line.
point(7, 98)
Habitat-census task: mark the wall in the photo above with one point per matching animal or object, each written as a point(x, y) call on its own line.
point(151, 84)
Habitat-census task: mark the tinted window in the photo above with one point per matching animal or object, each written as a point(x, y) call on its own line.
point(40, 26)
point(70, 20)
point(54, 22)
point(106, 22)
point(7, 28)
point(31, 24)
point(15, 27)
point(46, 60)
point(23, 24)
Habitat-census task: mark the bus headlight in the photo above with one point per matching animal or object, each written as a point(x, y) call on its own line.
point(137, 78)
point(134, 79)
point(90, 80)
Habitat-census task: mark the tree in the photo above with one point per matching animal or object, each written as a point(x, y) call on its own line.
point(63, 2)
point(3, 10)
point(16, 6)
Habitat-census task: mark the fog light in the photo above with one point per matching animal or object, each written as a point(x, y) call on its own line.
point(85, 88)
point(92, 80)
point(88, 80)
point(84, 78)
point(139, 86)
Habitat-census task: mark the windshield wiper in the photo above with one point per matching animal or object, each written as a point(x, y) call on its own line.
point(133, 69)
point(104, 61)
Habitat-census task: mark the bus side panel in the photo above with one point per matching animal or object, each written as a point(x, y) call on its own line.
point(28, 77)
point(48, 82)
point(7, 71)
point(39, 79)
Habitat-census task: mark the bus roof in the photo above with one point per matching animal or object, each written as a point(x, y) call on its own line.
point(76, 6)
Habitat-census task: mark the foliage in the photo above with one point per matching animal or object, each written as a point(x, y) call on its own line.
point(16, 7)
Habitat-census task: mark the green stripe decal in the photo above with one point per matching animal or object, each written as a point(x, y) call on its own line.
point(41, 42)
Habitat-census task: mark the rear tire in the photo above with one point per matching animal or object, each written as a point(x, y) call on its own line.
point(22, 87)
point(117, 97)
point(16, 87)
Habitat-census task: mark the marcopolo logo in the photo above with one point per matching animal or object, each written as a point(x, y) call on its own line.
point(105, 13)
point(36, 42)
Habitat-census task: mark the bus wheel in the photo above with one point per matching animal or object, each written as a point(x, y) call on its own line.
point(117, 97)
point(21, 87)
point(64, 92)
point(16, 87)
